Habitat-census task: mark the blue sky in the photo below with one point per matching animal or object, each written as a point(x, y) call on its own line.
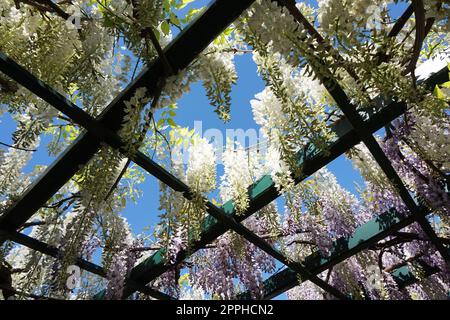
point(192, 107)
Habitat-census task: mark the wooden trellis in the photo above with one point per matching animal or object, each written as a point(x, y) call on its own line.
point(355, 127)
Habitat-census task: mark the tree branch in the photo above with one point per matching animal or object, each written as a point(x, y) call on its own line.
point(61, 202)
point(18, 148)
point(419, 12)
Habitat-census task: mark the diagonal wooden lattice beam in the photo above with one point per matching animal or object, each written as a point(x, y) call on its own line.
point(287, 279)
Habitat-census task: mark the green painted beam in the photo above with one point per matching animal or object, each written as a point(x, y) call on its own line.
point(404, 276)
point(363, 237)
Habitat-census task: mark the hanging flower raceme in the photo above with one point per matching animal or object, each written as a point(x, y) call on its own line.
point(269, 24)
point(331, 213)
point(168, 282)
point(422, 175)
point(122, 263)
point(201, 166)
point(182, 218)
point(13, 181)
point(237, 177)
point(290, 118)
point(231, 258)
point(216, 68)
point(290, 114)
point(343, 17)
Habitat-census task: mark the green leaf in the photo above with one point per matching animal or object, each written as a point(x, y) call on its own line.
point(228, 31)
point(446, 84)
point(166, 4)
point(191, 14)
point(174, 19)
point(160, 122)
point(165, 27)
point(73, 87)
point(438, 93)
point(184, 3)
point(184, 280)
point(171, 122)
